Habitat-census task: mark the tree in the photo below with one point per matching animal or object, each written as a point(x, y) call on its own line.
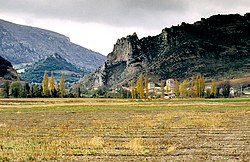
point(146, 85)
point(26, 91)
point(45, 84)
point(52, 84)
point(202, 85)
point(16, 89)
point(197, 86)
point(6, 89)
point(162, 90)
point(139, 87)
point(183, 88)
point(213, 89)
point(132, 88)
point(62, 86)
point(176, 88)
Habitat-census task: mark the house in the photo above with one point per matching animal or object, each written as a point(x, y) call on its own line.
point(170, 85)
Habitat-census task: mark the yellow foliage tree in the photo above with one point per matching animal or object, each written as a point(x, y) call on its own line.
point(139, 87)
point(52, 84)
point(62, 85)
point(162, 90)
point(183, 88)
point(176, 88)
point(45, 83)
point(213, 89)
point(146, 85)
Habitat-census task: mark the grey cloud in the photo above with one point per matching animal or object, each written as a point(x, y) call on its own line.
point(128, 13)
point(113, 12)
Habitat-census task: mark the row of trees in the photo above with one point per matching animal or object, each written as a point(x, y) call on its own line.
point(193, 88)
point(50, 88)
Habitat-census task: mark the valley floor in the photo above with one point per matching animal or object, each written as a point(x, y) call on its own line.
point(124, 130)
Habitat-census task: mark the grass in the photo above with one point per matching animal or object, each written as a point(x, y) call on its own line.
point(122, 130)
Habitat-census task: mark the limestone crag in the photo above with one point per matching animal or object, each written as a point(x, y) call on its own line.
point(218, 47)
point(125, 61)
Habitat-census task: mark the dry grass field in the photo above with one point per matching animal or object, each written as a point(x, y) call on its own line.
point(122, 130)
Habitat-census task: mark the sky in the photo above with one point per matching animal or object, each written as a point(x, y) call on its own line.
point(97, 24)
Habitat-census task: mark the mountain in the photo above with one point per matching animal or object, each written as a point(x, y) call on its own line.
point(7, 72)
point(218, 47)
point(55, 63)
point(23, 44)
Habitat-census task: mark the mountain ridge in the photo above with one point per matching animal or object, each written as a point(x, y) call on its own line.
point(217, 47)
point(24, 44)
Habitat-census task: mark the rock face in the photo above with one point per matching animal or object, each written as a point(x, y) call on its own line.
point(23, 44)
point(7, 72)
point(216, 47)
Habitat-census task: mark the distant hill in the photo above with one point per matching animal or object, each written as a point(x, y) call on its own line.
point(55, 63)
point(218, 47)
point(23, 44)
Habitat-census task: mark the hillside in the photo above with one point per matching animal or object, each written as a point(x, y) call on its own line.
point(7, 72)
point(55, 63)
point(23, 44)
point(218, 47)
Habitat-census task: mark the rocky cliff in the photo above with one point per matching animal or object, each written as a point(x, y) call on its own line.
point(217, 47)
point(23, 44)
point(7, 72)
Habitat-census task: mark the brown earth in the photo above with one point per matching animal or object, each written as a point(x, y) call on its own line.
point(121, 130)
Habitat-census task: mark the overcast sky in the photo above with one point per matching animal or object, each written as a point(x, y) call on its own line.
point(97, 24)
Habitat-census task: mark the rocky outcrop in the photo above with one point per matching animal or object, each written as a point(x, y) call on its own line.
point(7, 72)
point(216, 47)
point(22, 44)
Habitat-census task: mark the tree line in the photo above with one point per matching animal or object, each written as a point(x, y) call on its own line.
point(139, 89)
point(187, 88)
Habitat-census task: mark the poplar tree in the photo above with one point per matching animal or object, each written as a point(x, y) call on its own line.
point(183, 88)
point(146, 85)
point(62, 85)
point(139, 87)
point(52, 84)
point(202, 85)
point(213, 89)
point(45, 84)
point(162, 90)
point(176, 88)
point(197, 86)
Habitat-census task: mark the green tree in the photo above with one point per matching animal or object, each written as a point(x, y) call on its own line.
point(26, 91)
point(6, 89)
point(45, 84)
point(139, 87)
point(176, 88)
point(132, 88)
point(62, 86)
point(16, 89)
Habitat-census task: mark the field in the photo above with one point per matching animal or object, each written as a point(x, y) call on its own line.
point(124, 130)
